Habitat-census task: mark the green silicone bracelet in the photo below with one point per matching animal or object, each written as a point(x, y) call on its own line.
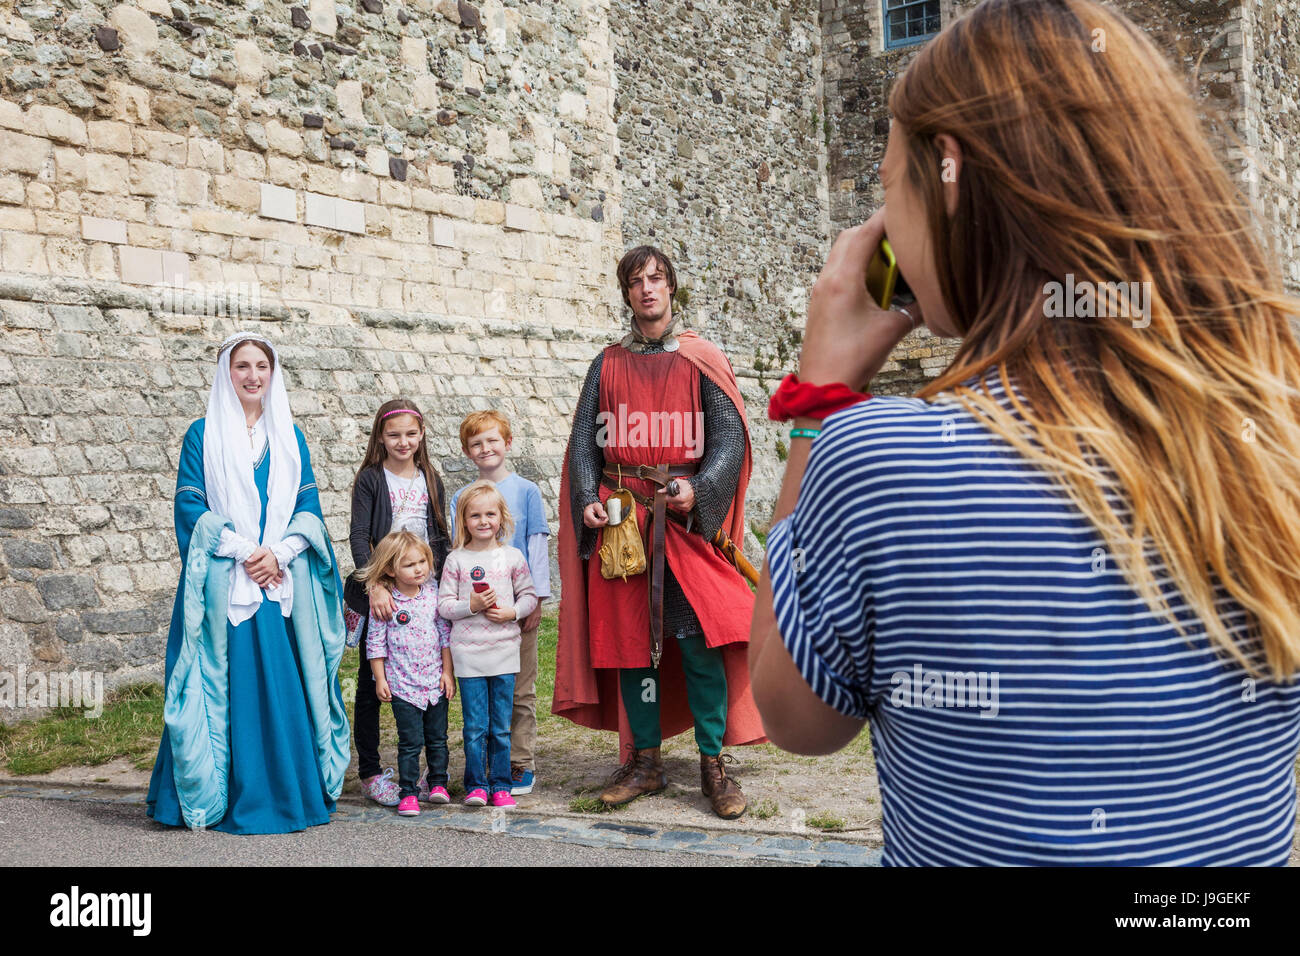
point(805, 432)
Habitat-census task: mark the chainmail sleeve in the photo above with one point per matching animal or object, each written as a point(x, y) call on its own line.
point(585, 457)
point(724, 454)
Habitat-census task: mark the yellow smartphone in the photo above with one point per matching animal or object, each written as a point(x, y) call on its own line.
point(882, 274)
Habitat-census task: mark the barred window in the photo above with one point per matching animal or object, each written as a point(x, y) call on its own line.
point(910, 21)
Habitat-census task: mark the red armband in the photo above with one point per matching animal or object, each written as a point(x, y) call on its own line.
point(796, 399)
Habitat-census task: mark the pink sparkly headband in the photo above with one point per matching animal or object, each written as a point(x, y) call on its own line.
point(401, 411)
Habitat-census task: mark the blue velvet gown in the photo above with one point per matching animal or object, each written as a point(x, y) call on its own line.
point(275, 783)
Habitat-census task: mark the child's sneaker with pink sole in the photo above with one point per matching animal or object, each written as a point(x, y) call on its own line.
point(409, 807)
point(381, 789)
point(502, 798)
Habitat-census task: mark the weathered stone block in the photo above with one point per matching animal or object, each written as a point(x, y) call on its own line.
point(69, 167)
point(23, 253)
point(21, 553)
point(106, 173)
point(11, 190)
point(415, 54)
point(95, 229)
point(130, 103)
point(136, 30)
point(68, 628)
point(18, 603)
point(249, 67)
point(323, 18)
point(151, 179)
point(62, 591)
point(161, 147)
point(23, 154)
point(134, 621)
point(31, 461)
point(56, 124)
point(283, 140)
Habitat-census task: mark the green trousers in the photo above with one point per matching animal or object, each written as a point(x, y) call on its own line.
point(706, 693)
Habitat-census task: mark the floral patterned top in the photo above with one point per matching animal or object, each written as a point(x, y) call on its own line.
point(412, 642)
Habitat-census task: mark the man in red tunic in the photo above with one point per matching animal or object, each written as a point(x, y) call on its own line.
point(661, 415)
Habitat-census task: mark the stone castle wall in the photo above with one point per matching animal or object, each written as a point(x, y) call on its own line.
point(429, 198)
point(1243, 61)
point(1272, 109)
point(424, 198)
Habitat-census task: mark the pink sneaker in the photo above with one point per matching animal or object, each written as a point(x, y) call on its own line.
point(409, 807)
point(502, 798)
point(439, 795)
point(476, 798)
point(381, 789)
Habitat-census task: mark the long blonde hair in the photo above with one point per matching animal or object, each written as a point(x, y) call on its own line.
point(1092, 163)
point(481, 488)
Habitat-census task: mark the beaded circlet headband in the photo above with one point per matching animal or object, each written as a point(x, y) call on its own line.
point(238, 337)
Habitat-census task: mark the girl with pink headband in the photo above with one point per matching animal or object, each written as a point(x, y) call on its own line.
point(396, 489)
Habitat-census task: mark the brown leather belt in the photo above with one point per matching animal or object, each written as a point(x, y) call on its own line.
point(660, 475)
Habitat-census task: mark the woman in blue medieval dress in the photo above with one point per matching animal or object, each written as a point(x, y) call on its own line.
point(256, 737)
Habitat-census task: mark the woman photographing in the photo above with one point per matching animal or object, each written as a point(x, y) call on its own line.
point(1060, 582)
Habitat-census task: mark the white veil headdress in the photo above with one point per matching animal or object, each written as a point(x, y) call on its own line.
point(228, 472)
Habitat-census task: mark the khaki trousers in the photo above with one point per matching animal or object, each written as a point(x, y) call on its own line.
point(523, 721)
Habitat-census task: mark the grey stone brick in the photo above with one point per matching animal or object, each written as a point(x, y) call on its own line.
point(103, 654)
point(134, 621)
point(21, 553)
point(14, 518)
point(61, 591)
point(19, 603)
point(146, 648)
point(68, 628)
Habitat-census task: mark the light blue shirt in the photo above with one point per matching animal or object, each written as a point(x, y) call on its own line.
point(524, 499)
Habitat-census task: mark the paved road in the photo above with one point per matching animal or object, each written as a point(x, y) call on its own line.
point(68, 827)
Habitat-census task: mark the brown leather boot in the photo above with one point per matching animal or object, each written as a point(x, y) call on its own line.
point(723, 792)
point(642, 774)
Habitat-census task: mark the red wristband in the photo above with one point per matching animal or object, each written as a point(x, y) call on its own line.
point(795, 399)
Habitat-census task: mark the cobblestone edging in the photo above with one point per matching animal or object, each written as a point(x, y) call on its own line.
point(521, 824)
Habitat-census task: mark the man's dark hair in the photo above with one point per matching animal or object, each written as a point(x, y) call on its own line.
point(635, 260)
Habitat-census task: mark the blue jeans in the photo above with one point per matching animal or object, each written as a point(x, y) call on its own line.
point(487, 704)
point(418, 728)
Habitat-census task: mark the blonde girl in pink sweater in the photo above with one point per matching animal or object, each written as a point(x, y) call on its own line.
point(485, 592)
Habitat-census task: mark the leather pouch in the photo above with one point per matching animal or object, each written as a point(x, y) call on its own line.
point(622, 552)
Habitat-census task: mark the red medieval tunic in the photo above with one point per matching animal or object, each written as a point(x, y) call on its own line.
point(651, 415)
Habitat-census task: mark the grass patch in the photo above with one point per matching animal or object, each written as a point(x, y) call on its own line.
point(130, 726)
point(764, 809)
point(824, 821)
point(589, 805)
point(132, 722)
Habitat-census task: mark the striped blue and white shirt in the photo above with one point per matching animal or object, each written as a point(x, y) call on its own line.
point(1026, 707)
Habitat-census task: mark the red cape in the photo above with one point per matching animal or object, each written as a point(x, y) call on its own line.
point(590, 696)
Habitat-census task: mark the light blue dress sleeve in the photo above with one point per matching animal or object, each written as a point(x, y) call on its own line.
point(191, 491)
